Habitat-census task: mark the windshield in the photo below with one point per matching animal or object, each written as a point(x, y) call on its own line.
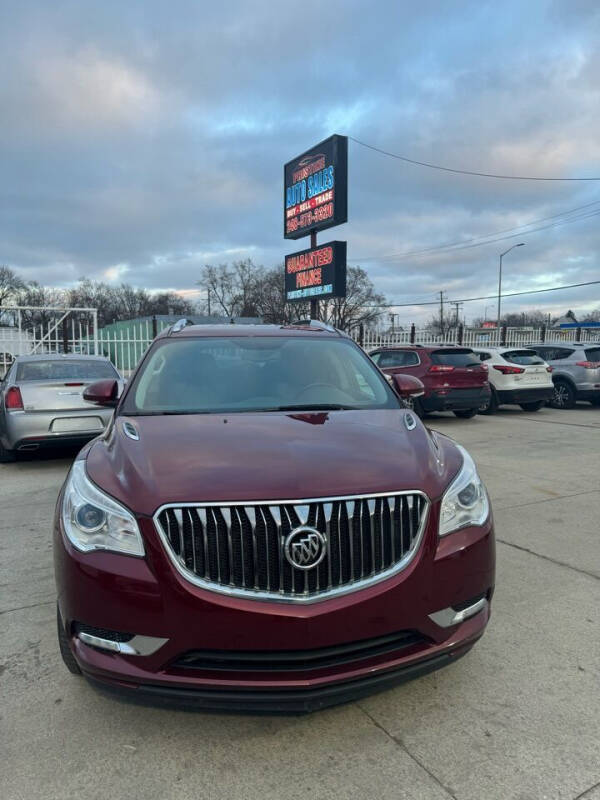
point(258, 373)
point(525, 358)
point(592, 353)
point(456, 358)
point(67, 370)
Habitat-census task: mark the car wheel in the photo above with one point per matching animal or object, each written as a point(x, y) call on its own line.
point(564, 395)
point(595, 401)
point(65, 651)
point(467, 413)
point(414, 403)
point(6, 456)
point(491, 405)
point(532, 406)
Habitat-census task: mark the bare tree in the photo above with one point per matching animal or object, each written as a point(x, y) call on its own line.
point(232, 290)
point(10, 284)
point(593, 316)
point(41, 297)
point(362, 305)
point(245, 289)
point(116, 303)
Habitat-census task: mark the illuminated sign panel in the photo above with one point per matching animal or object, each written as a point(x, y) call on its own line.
point(316, 273)
point(315, 189)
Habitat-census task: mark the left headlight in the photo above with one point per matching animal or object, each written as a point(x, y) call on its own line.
point(94, 521)
point(465, 501)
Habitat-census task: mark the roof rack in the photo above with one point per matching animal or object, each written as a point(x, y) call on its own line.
point(179, 325)
point(316, 323)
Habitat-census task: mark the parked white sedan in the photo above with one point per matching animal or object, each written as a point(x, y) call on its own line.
point(517, 376)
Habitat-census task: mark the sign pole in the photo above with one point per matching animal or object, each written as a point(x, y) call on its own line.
point(314, 303)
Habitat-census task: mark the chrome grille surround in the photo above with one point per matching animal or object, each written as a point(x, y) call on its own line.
point(372, 536)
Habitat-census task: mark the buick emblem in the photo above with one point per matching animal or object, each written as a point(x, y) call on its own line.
point(305, 547)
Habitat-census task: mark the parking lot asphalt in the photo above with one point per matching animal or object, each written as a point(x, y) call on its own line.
point(519, 717)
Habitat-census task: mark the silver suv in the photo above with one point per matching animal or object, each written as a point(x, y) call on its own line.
point(575, 371)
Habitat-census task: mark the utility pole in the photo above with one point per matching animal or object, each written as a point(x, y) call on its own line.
point(457, 304)
point(442, 313)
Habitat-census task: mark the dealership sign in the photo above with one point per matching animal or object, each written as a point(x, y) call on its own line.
point(316, 273)
point(315, 189)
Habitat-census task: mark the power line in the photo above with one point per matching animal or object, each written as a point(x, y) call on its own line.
point(462, 244)
point(464, 171)
point(488, 297)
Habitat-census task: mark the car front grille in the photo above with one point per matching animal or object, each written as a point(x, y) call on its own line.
point(240, 549)
point(300, 660)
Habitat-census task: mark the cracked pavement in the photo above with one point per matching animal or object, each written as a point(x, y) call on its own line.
point(516, 719)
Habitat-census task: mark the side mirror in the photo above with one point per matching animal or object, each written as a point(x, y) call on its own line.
point(407, 386)
point(103, 393)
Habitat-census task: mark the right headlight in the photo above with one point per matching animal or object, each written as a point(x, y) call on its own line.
point(465, 501)
point(94, 521)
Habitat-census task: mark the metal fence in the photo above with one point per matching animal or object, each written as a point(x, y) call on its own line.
point(26, 330)
point(76, 331)
point(476, 337)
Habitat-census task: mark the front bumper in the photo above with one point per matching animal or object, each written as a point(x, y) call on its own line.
point(525, 395)
point(146, 596)
point(275, 700)
point(456, 399)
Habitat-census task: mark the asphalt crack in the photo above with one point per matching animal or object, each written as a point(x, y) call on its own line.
point(21, 608)
point(399, 743)
point(594, 425)
point(544, 500)
point(586, 793)
point(551, 560)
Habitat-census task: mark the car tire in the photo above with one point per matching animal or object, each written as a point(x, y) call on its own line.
point(564, 395)
point(63, 644)
point(532, 406)
point(595, 401)
point(417, 407)
point(467, 413)
point(7, 456)
point(492, 404)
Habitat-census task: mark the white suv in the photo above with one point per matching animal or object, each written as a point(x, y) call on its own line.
point(517, 376)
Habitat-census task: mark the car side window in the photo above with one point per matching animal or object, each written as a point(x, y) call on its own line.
point(561, 352)
point(398, 358)
point(484, 356)
point(387, 360)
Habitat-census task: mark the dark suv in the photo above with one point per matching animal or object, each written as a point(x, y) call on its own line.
point(266, 526)
point(454, 377)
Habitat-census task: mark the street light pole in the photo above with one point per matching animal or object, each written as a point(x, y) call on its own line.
point(521, 244)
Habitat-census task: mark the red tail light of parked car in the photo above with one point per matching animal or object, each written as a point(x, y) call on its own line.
point(13, 400)
point(588, 364)
point(505, 370)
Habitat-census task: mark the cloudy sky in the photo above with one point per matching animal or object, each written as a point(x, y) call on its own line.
point(140, 140)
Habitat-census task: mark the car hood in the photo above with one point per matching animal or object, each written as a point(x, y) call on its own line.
point(268, 456)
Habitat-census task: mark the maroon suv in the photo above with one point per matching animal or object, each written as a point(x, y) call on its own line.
point(266, 526)
point(454, 377)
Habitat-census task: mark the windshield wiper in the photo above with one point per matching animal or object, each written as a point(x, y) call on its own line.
point(298, 407)
point(313, 407)
point(164, 413)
